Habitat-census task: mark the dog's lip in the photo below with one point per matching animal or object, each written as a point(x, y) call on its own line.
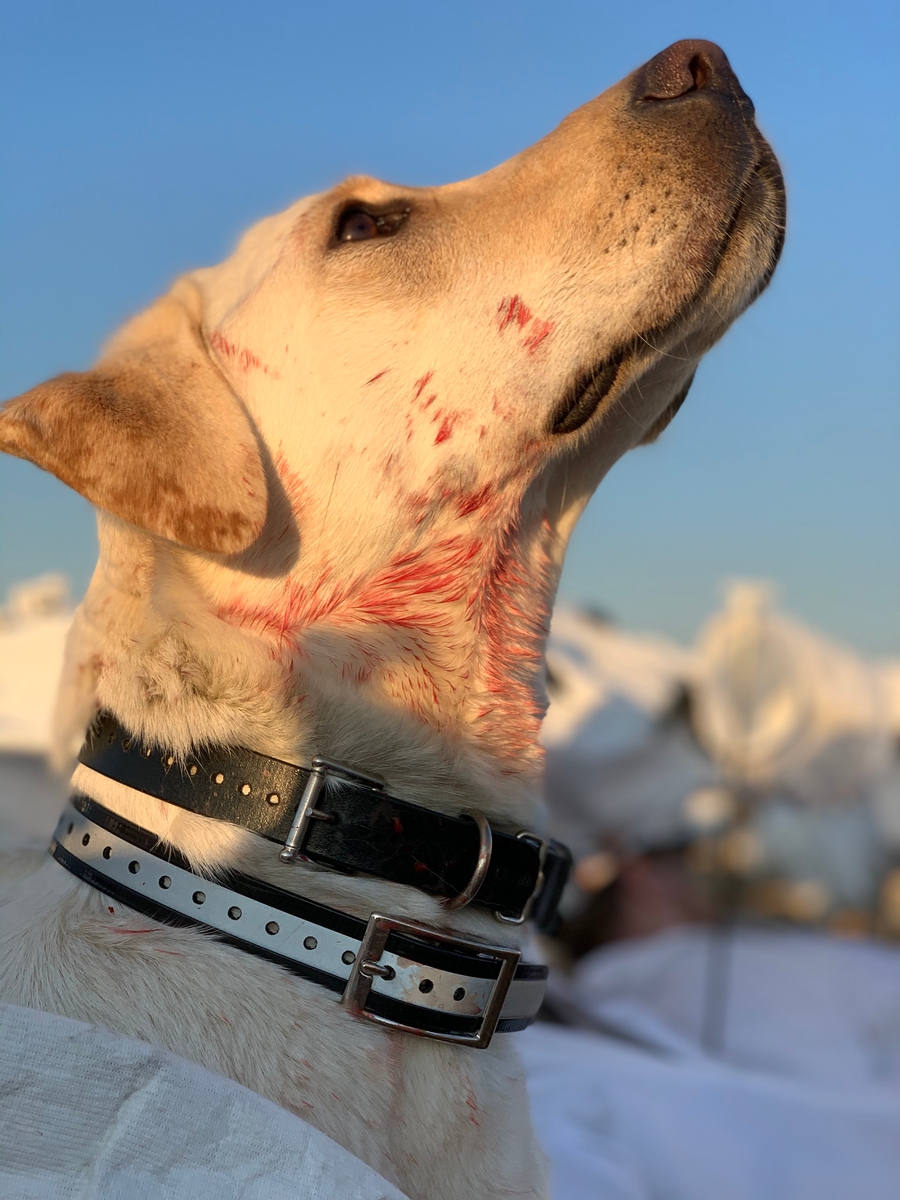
point(587, 391)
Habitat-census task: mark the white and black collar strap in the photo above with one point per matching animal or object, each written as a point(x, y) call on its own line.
point(350, 825)
point(392, 971)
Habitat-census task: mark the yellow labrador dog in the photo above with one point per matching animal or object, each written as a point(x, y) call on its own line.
point(335, 477)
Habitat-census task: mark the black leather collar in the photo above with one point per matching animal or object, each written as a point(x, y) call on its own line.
point(364, 829)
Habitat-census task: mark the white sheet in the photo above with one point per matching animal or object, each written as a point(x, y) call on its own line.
point(800, 1102)
point(91, 1114)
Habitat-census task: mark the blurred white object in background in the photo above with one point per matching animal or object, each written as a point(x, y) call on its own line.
point(617, 769)
point(805, 731)
point(776, 746)
point(595, 666)
point(34, 623)
point(777, 705)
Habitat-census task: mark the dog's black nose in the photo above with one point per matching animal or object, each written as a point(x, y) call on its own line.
point(685, 67)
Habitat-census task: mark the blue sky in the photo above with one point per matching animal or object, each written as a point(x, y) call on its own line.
point(138, 141)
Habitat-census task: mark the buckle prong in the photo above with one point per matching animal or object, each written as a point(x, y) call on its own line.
point(306, 809)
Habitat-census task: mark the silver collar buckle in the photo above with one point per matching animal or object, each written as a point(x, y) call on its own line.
point(367, 967)
point(306, 809)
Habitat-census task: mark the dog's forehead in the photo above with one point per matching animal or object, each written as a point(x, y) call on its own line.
point(504, 200)
point(226, 285)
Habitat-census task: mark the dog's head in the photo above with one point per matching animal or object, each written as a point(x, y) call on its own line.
point(369, 432)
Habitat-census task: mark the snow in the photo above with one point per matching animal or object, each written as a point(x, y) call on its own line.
point(34, 624)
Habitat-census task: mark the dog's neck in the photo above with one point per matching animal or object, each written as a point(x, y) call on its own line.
point(152, 644)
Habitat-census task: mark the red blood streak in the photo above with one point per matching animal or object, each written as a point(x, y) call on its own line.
point(445, 431)
point(248, 359)
point(221, 343)
point(378, 376)
point(397, 824)
point(421, 384)
point(513, 309)
point(540, 330)
point(496, 583)
point(243, 359)
point(475, 500)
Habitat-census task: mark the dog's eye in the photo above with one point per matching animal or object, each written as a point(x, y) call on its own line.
point(358, 225)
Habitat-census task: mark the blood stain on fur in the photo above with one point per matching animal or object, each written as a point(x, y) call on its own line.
point(473, 501)
point(513, 309)
point(421, 384)
point(540, 331)
point(380, 375)
point(445, 432)
point(245, 360)
point(496, 580)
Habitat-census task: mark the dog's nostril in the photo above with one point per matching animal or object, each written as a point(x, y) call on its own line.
point(699, 69)
point(684, 67)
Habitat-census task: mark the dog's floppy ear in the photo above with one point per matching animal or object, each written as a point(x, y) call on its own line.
point(153, 434)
